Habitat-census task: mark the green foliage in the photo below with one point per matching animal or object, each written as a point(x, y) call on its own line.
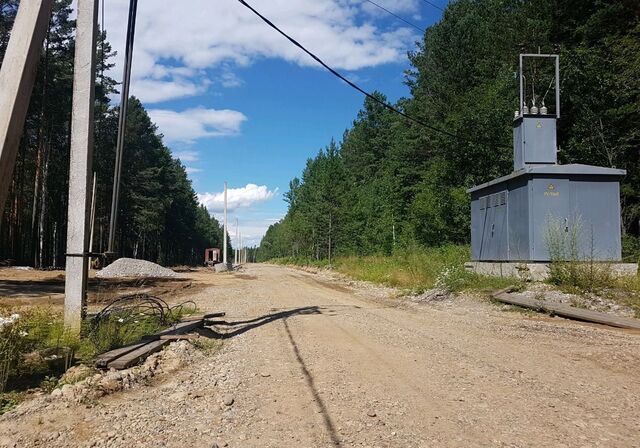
point(35, 341)
point(631, 248)
point(7, 403)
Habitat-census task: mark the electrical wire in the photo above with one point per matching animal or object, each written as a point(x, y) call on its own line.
point(361, 90)
point(137, 307)
point(433, 4)
point(396, 16)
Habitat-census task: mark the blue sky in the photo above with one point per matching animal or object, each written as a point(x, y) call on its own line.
point(238, 102)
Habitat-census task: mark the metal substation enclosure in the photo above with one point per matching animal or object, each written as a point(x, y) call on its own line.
point(512, 217)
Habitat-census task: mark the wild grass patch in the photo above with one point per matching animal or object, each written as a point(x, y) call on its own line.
point(574, 267)
point(36, 348)
point(416, 269)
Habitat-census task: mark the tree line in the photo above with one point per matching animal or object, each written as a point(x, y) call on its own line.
point(393, 183)
point(159, 217)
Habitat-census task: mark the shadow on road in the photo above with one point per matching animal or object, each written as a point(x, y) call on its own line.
point(311, 383)
point(242, 326)
point(213, 330)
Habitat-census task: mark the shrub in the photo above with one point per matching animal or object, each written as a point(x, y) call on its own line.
point(13, 344)
point(33, 341)
point(630, 248)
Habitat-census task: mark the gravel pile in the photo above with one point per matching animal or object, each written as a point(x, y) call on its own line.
point(130, 267)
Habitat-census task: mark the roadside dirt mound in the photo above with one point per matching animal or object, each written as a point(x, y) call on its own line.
point(130, 267)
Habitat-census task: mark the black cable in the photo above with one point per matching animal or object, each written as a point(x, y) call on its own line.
point(361, 90)
point(122, 121)
point(396, 16)
point(433, 4)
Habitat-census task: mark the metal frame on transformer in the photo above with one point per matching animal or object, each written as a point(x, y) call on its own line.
point(557, 77)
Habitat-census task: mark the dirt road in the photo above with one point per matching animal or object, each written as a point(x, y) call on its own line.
point(310, 362)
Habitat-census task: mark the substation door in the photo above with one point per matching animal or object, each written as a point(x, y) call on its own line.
point(486, 219)
point(551, 208)
point(495, 234)
point(500, 237)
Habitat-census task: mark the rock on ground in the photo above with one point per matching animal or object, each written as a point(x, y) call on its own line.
point(130, 267)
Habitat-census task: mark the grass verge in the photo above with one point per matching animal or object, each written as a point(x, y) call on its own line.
point(417, 269)
point(36, 348)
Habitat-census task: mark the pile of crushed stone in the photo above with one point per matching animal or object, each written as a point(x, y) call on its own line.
point(130, 267)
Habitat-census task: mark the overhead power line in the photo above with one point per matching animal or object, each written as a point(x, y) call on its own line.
point(433, 4)
point(396, 16)
point(361, 90)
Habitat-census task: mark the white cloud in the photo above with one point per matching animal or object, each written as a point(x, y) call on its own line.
point(192, 170)
point(176, 43)
point(187, 156)
point(154, 91)
point(192, 124)
point(237, 197)
point(229, 80)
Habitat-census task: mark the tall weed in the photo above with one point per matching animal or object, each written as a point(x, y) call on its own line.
point(571, 265)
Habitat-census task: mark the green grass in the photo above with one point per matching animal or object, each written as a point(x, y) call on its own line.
point(416, 269)
point(37, 348)
point(632, 297)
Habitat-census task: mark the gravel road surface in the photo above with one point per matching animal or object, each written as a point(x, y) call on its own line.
point(308, 361)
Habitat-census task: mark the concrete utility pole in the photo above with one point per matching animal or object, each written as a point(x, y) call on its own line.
point(235, 252)
point(92, 222)
point(17, 76)
point(82, 122)
point(224, 252)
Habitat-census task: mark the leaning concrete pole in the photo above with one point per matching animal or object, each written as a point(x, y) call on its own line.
point(17, 75)
point(80, 166)
point(224, 252)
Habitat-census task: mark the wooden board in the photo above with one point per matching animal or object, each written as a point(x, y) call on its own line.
point(124, 357)
point(179, 337)
point(109, 356)
point(182, 327)
point(202, 316)
point(567, 311)
point(134, 357)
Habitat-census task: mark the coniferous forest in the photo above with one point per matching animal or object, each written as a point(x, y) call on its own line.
point(391, 183)
point(159, 215)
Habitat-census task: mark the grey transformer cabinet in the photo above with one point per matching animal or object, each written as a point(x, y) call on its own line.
point(512, 216)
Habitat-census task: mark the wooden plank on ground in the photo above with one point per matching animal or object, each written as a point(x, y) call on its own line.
point(109, 356)
point(152, 344)
point(134, 357)
point(202, 316)
point(182, 327)
point(567, 311)
point(179, 337)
